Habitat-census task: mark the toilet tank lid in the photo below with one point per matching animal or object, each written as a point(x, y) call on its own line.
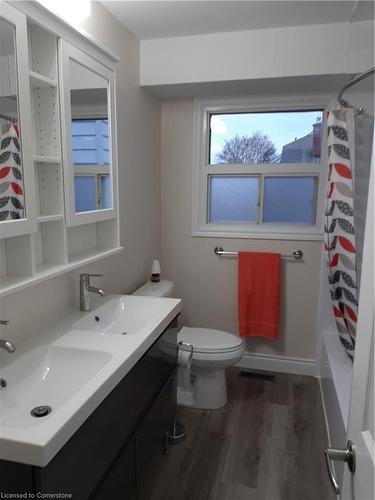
point(161, 289)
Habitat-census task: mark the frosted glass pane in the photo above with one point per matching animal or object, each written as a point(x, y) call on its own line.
point(289, 200)
point(233, 199)
point(272, 137)
point(85, 193)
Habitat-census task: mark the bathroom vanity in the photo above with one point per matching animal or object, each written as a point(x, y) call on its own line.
point(86, 403)
point(117, 451)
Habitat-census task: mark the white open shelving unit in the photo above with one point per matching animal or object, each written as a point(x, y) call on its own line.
point(54, 249)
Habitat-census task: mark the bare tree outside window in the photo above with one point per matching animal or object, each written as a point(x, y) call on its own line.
point(257, 148)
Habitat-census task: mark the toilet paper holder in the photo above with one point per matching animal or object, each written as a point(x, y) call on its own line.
point(186, 346)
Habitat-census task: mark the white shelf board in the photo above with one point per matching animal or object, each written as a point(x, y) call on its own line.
point(45, 269)
point(90, 255)
point(40, 81)
point(11, 283)
point(46, 159)
point(49, 218)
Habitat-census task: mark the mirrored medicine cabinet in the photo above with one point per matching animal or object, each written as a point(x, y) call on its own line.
point(89, 151)
point(17, 207)
point(58, 159)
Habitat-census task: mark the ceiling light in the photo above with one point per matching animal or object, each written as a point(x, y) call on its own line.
point(72, 11)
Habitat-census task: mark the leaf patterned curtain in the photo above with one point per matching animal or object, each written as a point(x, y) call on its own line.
point(339, 230)
point(11, 177)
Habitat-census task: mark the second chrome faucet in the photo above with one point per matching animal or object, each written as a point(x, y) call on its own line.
point(84, 291)
point(6, 344)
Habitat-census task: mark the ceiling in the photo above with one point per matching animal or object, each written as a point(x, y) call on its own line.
point(161, 19)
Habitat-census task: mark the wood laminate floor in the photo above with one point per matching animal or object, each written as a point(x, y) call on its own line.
point(266, 444)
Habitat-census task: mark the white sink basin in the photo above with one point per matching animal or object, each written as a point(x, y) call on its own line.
point(124, 315)
point(47, 375)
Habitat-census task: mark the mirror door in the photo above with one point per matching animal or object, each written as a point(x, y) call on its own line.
point(89, 153)
point(17, 193)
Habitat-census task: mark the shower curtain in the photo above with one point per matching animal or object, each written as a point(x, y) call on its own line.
point(11, 176)
point(339, 242)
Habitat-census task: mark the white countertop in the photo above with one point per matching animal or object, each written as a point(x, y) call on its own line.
point(36, 441)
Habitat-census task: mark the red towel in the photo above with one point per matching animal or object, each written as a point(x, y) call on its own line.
point(259, 294)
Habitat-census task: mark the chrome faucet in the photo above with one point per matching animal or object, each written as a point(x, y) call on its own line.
point(84, 291)
point(5, 344)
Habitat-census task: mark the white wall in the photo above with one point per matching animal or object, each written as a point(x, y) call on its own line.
point(247, 55)
point(317, 56)
point(207, 283)
point(138, 116)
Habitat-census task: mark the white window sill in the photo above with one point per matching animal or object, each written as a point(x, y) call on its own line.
point(207, 231)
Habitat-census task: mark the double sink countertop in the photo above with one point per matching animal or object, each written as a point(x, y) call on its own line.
point(71, 366)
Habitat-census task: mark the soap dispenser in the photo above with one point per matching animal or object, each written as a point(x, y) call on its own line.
point(155, 271)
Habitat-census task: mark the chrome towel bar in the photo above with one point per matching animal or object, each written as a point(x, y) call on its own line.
point(296, 254)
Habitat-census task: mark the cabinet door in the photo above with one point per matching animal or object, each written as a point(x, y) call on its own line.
point(16, 478)
point(121, 483)
point(89, 137)
point(151, 444)
point(17, 187)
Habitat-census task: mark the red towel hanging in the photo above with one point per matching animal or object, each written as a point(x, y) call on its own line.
point(259, 294)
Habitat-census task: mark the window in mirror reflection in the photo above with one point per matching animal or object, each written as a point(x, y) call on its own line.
point(105, 191)
point(11, 168)
point(85, 192)
point(91, 156)
point(92, 192)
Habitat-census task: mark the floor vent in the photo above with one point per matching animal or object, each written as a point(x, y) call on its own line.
point(256, 374)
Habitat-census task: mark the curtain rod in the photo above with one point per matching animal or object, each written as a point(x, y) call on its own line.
point(352, 82)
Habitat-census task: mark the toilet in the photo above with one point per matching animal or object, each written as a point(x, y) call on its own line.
point(213, 352)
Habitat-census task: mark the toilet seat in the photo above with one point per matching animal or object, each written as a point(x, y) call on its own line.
point(208, 341)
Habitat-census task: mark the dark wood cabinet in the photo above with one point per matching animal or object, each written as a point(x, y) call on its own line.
point(153, 435)
point(117, 445)
point(121, 483)
point(15, 478)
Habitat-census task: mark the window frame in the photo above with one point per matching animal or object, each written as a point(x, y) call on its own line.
point(97, 170)
point(202, 170)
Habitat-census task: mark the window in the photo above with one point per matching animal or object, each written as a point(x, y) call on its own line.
point(258, 173)
point(90, 144)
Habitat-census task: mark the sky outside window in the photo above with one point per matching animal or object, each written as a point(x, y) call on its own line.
point(281, 128)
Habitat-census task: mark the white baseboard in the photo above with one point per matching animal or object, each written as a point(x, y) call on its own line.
point(281, 364)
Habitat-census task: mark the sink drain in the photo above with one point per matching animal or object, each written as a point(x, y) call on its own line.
point(41, 411)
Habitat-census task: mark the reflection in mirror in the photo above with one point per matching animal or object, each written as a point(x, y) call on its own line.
point(11, 172)
point(90, 139)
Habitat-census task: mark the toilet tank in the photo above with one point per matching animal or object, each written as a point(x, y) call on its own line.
point(163, 288)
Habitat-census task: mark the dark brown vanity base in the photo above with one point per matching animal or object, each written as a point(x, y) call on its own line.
point(115, 451)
